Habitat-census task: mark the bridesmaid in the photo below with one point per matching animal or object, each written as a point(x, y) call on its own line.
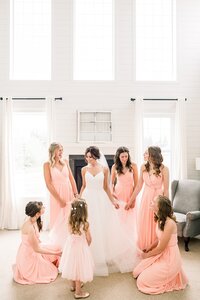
point(155, 178)
point(124, 178)
point(160, 270)
point(35, 262)
point(124, 175)
point(59, 181)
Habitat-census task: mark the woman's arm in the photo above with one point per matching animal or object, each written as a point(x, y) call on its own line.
point(36, 245)
point(135, 175)
point(107, 189)
point(50, 186)
point(72, 180)
point(152, 246)
point(165, 173)
point(83, 171)
point(88, 236)
point(169, 229)
point(113, 179)
point(136, 190)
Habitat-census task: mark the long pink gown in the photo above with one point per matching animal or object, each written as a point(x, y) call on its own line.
point(59, 216)
point(76, 261)
point(124, 186)
point(163, 272)
point(32, 267)
point(123, 191)
point(146, 225)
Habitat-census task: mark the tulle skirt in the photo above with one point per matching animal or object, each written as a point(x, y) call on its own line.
point(113, 247)
point(76, 260)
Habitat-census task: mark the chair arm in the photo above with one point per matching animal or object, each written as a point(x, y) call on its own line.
point(193, 215)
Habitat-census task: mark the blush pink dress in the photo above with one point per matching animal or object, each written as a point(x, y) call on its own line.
point(124, 186)
point(123, 191)
point(59, 216)
point(153, 186)
point(32, 267)
point(76, 261)
point(163, 272)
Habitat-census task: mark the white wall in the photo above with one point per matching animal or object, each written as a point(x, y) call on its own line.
point(113, 95)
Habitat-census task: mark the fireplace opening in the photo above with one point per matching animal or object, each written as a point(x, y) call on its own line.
point(76, 163)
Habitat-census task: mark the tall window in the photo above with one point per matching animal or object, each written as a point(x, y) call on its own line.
point(30, 150)
point(158, 131)
point(93, 39)
point(155, 40)
point(30, 52)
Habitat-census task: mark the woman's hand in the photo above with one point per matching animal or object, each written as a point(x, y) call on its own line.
point(144, 255)
point(128, 205)
point(62, 203)
point(115, 203)
point(114, 195)
point(132, 204)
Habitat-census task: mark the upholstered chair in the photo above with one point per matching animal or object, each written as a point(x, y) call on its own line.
point(185, 195)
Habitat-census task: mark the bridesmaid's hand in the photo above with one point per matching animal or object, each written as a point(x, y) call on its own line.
point(144, 255)
point(128, 205)
point(132, 204)
point(62, 203)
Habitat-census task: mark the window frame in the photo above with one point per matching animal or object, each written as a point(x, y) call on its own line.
point(79, 112)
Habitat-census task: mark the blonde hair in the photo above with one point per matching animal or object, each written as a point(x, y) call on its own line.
point(78, 216)
point(52, 149)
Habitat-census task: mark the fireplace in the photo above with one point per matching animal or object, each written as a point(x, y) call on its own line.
point(76, 163)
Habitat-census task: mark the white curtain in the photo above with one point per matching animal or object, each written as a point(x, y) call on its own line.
point(180, 158)
point(50, 111)
point(138, 128)
point(8, 206)
point(50, 106)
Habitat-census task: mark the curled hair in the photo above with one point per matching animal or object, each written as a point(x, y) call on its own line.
point(52, 149)
point(78, 216)
point(164, 210)
point(31, 209)
point(156, 158)
point(117, 161)
point(95, 153)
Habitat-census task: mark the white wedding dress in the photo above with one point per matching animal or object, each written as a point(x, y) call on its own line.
point(111, 247)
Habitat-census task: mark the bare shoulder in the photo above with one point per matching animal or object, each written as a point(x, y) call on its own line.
point(113, 167)
point(134, 165)
point(84, 169)
point(46, 164)
point(164, 169)
point(87, 226)
point(170, 225)
point(105, 170)
point(66, 161)
point(27, 228)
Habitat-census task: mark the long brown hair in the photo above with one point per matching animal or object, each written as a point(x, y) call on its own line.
point(117, 161)
point(31, 209)
point(78, 216)
point(156, 158)
point(165, 211)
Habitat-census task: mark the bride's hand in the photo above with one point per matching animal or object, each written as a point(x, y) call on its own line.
point(115, 203)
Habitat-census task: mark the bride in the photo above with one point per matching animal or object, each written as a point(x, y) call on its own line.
point(111, 247)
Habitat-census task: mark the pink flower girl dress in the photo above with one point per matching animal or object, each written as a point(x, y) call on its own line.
point(76, 262)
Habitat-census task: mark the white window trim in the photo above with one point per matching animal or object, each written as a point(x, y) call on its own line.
point(92, 141)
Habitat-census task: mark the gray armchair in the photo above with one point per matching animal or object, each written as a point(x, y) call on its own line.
point(186, 204)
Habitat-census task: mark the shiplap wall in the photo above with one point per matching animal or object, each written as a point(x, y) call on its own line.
point(114, 95)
